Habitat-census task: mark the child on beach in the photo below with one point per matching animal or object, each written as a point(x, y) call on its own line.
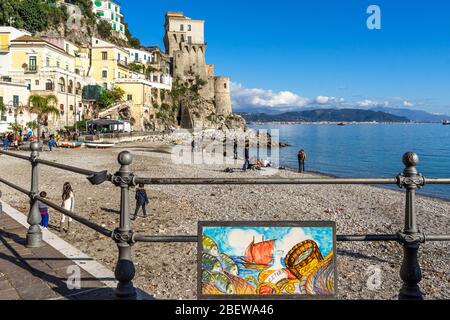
point(43, 209)
point(68, 199)
point(141, 201)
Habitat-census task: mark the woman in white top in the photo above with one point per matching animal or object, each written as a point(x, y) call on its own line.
point(68, 204)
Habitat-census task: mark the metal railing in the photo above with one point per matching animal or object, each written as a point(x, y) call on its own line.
point(124, 236)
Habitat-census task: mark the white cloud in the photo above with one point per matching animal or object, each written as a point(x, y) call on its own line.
point(328, 100)
point(256, 97)
point(408, 104)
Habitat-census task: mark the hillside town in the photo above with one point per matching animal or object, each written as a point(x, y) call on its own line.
point(145, 88)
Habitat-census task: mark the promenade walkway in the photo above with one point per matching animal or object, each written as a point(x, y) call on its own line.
point(42, 273)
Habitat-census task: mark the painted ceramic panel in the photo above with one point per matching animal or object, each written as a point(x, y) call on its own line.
point(267, 259)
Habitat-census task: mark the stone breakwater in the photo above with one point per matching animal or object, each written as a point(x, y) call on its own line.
point(170, 270)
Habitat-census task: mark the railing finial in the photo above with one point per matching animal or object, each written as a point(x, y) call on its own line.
point(410, 160)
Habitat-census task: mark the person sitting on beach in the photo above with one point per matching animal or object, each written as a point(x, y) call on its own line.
point(43, 209)
point(266, 163)
point(141, 201)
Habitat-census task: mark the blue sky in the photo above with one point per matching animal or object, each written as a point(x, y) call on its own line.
point(297, 54)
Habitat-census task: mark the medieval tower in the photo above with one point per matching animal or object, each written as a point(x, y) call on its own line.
point(185, 45)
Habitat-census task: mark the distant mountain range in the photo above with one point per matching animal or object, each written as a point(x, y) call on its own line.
point(413, 115)
point(326, 115)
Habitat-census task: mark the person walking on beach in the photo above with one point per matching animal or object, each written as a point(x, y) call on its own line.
point(235, 149)
point(68, 204)
point(141, 201)
point(301, 160)
point(246, 157)
point(43, 210)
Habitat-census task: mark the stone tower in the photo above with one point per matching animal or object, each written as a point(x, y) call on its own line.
point(185, 45)
point(222, 96)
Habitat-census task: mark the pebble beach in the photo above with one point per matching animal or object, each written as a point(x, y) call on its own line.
point(169, 271)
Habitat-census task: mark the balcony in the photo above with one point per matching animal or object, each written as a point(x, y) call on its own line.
point(29, 70)
point(123, 63)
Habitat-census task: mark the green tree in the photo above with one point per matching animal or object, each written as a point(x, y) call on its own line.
point(136, 67)
point(43, 106)
point(9, 13)
point(15, 127)
point(187, 95)
point(104, 29)
point(110, 97)
point(34, 15)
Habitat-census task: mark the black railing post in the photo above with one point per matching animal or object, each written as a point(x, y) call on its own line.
point(123, 235)
point(34, 234)
point(410, 271)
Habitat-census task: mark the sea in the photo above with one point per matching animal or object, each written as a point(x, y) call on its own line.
point(365, 150)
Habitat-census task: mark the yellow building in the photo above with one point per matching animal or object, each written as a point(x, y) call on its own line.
point(139, 93)
point(52, 66)
point(109, 62)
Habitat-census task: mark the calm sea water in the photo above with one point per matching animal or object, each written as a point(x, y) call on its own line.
point(368, 150)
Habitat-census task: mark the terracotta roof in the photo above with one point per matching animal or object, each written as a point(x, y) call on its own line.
point(35, 39)
point(26, 38)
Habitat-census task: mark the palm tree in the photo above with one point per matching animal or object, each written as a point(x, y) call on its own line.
point(42, 106)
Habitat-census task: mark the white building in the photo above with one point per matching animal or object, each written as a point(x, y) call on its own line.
point(110, 11)
point(14, 98)
point(141, 56)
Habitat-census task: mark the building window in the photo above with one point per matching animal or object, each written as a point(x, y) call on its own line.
point(129, 97)
point(105, 86)
point(155, 78)
point(181, 27)
point(189, 39)
point(105, 74)
point(136, 56)
point(224, 85)
point(58, 64)
point(62, 85)
point(71, 107)
point(36, 82)
point(15, 101)
point(104, 55)
point(78, 89)
point(70, 87)
point(47, 62)
point(49, 85)
point(77, 71)
point(32, 66)
point(189, 27)
point(67, 48)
